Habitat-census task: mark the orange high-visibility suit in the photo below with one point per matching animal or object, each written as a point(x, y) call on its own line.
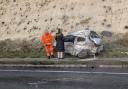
point(47, 42)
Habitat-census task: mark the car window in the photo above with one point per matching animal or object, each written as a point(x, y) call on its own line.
point(80, 39)
point(94, 35)
point(69, 38)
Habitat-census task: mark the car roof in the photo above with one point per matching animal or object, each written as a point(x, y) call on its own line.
point(81, 33)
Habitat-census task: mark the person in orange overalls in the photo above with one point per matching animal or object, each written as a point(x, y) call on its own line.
point(47, 40)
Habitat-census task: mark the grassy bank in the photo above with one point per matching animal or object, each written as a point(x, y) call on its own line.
point(20, 49)
point(116, 46)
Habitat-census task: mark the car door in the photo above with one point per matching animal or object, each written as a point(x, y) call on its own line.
point(69, 47)
point(79, 44)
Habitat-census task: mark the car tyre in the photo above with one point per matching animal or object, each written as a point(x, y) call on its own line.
point(83, 54)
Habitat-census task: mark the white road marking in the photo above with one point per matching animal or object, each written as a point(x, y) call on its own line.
point(76, 72)
point(37, 83)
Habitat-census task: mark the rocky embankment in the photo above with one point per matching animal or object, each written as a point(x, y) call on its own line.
point(29, 18)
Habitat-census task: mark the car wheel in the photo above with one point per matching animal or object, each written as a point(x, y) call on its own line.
point(83, 54)
point(99, 50)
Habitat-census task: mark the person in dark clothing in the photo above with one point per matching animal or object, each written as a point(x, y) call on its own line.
point(60, 44)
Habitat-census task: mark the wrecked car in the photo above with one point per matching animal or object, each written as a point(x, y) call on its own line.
point(83, 43)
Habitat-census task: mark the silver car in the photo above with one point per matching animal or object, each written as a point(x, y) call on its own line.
point(83, 43)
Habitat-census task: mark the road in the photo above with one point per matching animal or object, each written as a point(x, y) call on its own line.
point(80, 78)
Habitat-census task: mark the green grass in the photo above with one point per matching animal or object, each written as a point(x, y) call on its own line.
point(116, 48)
point(23, 49)
point(113, 54)
point(32, 49)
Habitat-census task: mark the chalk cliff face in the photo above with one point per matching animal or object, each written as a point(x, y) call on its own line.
point(29, 18)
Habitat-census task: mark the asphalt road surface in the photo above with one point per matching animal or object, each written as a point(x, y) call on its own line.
point(64, 79)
